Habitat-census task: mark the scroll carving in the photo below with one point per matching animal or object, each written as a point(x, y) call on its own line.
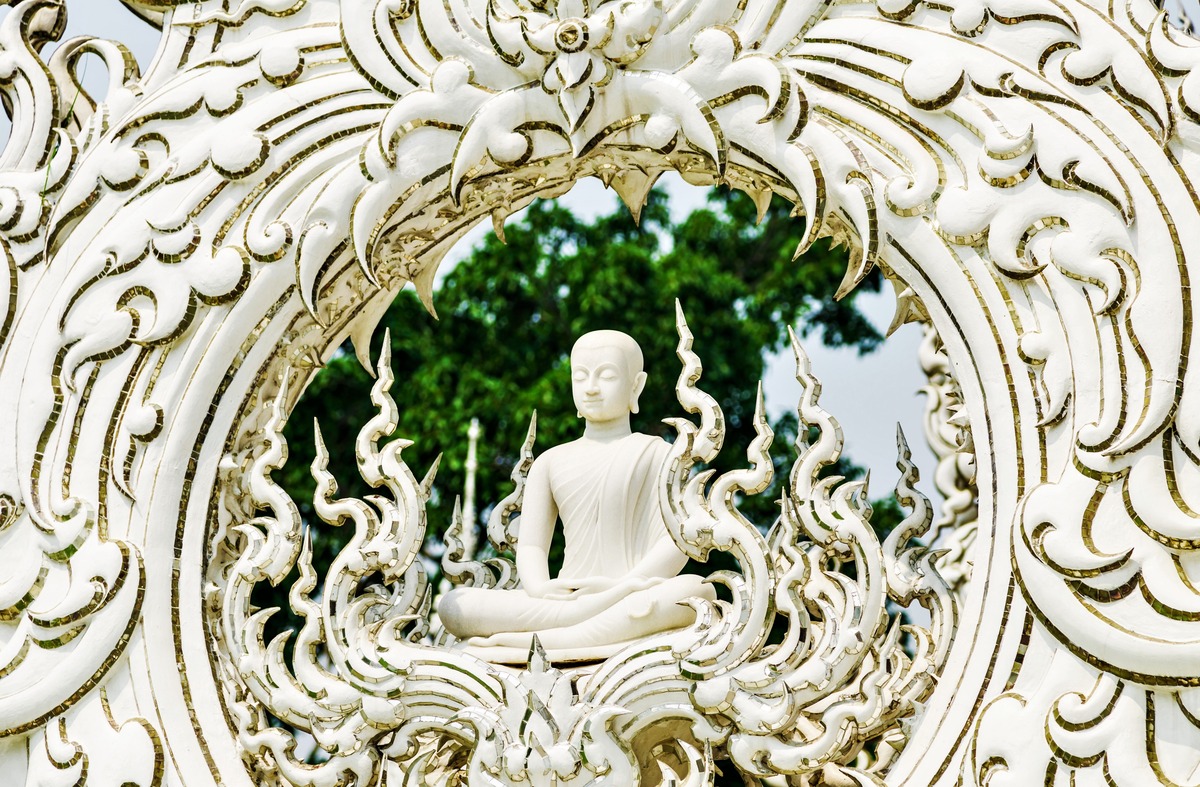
point(182, 253)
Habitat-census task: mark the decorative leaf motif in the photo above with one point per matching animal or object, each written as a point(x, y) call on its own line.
point(1023, 170)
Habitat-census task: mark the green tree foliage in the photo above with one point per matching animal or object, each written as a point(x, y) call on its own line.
point(510, 313)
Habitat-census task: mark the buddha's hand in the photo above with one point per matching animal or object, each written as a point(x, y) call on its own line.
point(562, 589)
point(587, 586)
point(553, 589)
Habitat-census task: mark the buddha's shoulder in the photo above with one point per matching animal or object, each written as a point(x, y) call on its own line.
point(590, 447)
point(639, 441)
point(552, 456)
point(583, 446)
point(555, 452)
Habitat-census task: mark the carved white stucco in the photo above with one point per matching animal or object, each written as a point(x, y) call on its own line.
point(181, 258)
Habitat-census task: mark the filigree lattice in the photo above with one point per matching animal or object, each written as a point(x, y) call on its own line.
point(214, 225)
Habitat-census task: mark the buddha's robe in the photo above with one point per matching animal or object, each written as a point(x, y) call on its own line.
point(609, 505)
point(608, 499)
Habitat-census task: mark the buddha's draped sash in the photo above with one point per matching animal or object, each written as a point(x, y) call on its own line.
point(610, 506)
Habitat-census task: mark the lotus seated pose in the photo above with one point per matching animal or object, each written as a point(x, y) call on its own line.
point(620, 577)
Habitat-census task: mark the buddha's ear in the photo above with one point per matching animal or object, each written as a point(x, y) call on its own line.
point(639, 383)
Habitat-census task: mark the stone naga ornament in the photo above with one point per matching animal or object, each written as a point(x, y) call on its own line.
point(183, 253)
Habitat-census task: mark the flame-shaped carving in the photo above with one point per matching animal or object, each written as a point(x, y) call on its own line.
point(839, 679)
point(1024, 171)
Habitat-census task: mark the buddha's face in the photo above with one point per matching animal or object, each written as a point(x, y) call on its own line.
point(604, 387)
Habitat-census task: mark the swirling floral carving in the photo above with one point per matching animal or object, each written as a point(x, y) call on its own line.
point(1024, 170)
point(805, 705)
point(70, 596)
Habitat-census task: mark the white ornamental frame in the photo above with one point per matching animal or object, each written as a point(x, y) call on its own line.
point(182, 256)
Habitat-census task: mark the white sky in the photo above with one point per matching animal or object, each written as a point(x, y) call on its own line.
point(867, 395)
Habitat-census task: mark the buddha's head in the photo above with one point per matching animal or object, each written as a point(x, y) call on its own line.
point(606, 375)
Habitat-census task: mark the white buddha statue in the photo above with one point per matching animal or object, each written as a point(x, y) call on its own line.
point(620, 576)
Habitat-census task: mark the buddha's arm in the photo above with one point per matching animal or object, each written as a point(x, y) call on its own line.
point(538, 515)
point(663, 560)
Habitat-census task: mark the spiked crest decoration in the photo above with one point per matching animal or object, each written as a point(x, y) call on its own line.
point(184, 252)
